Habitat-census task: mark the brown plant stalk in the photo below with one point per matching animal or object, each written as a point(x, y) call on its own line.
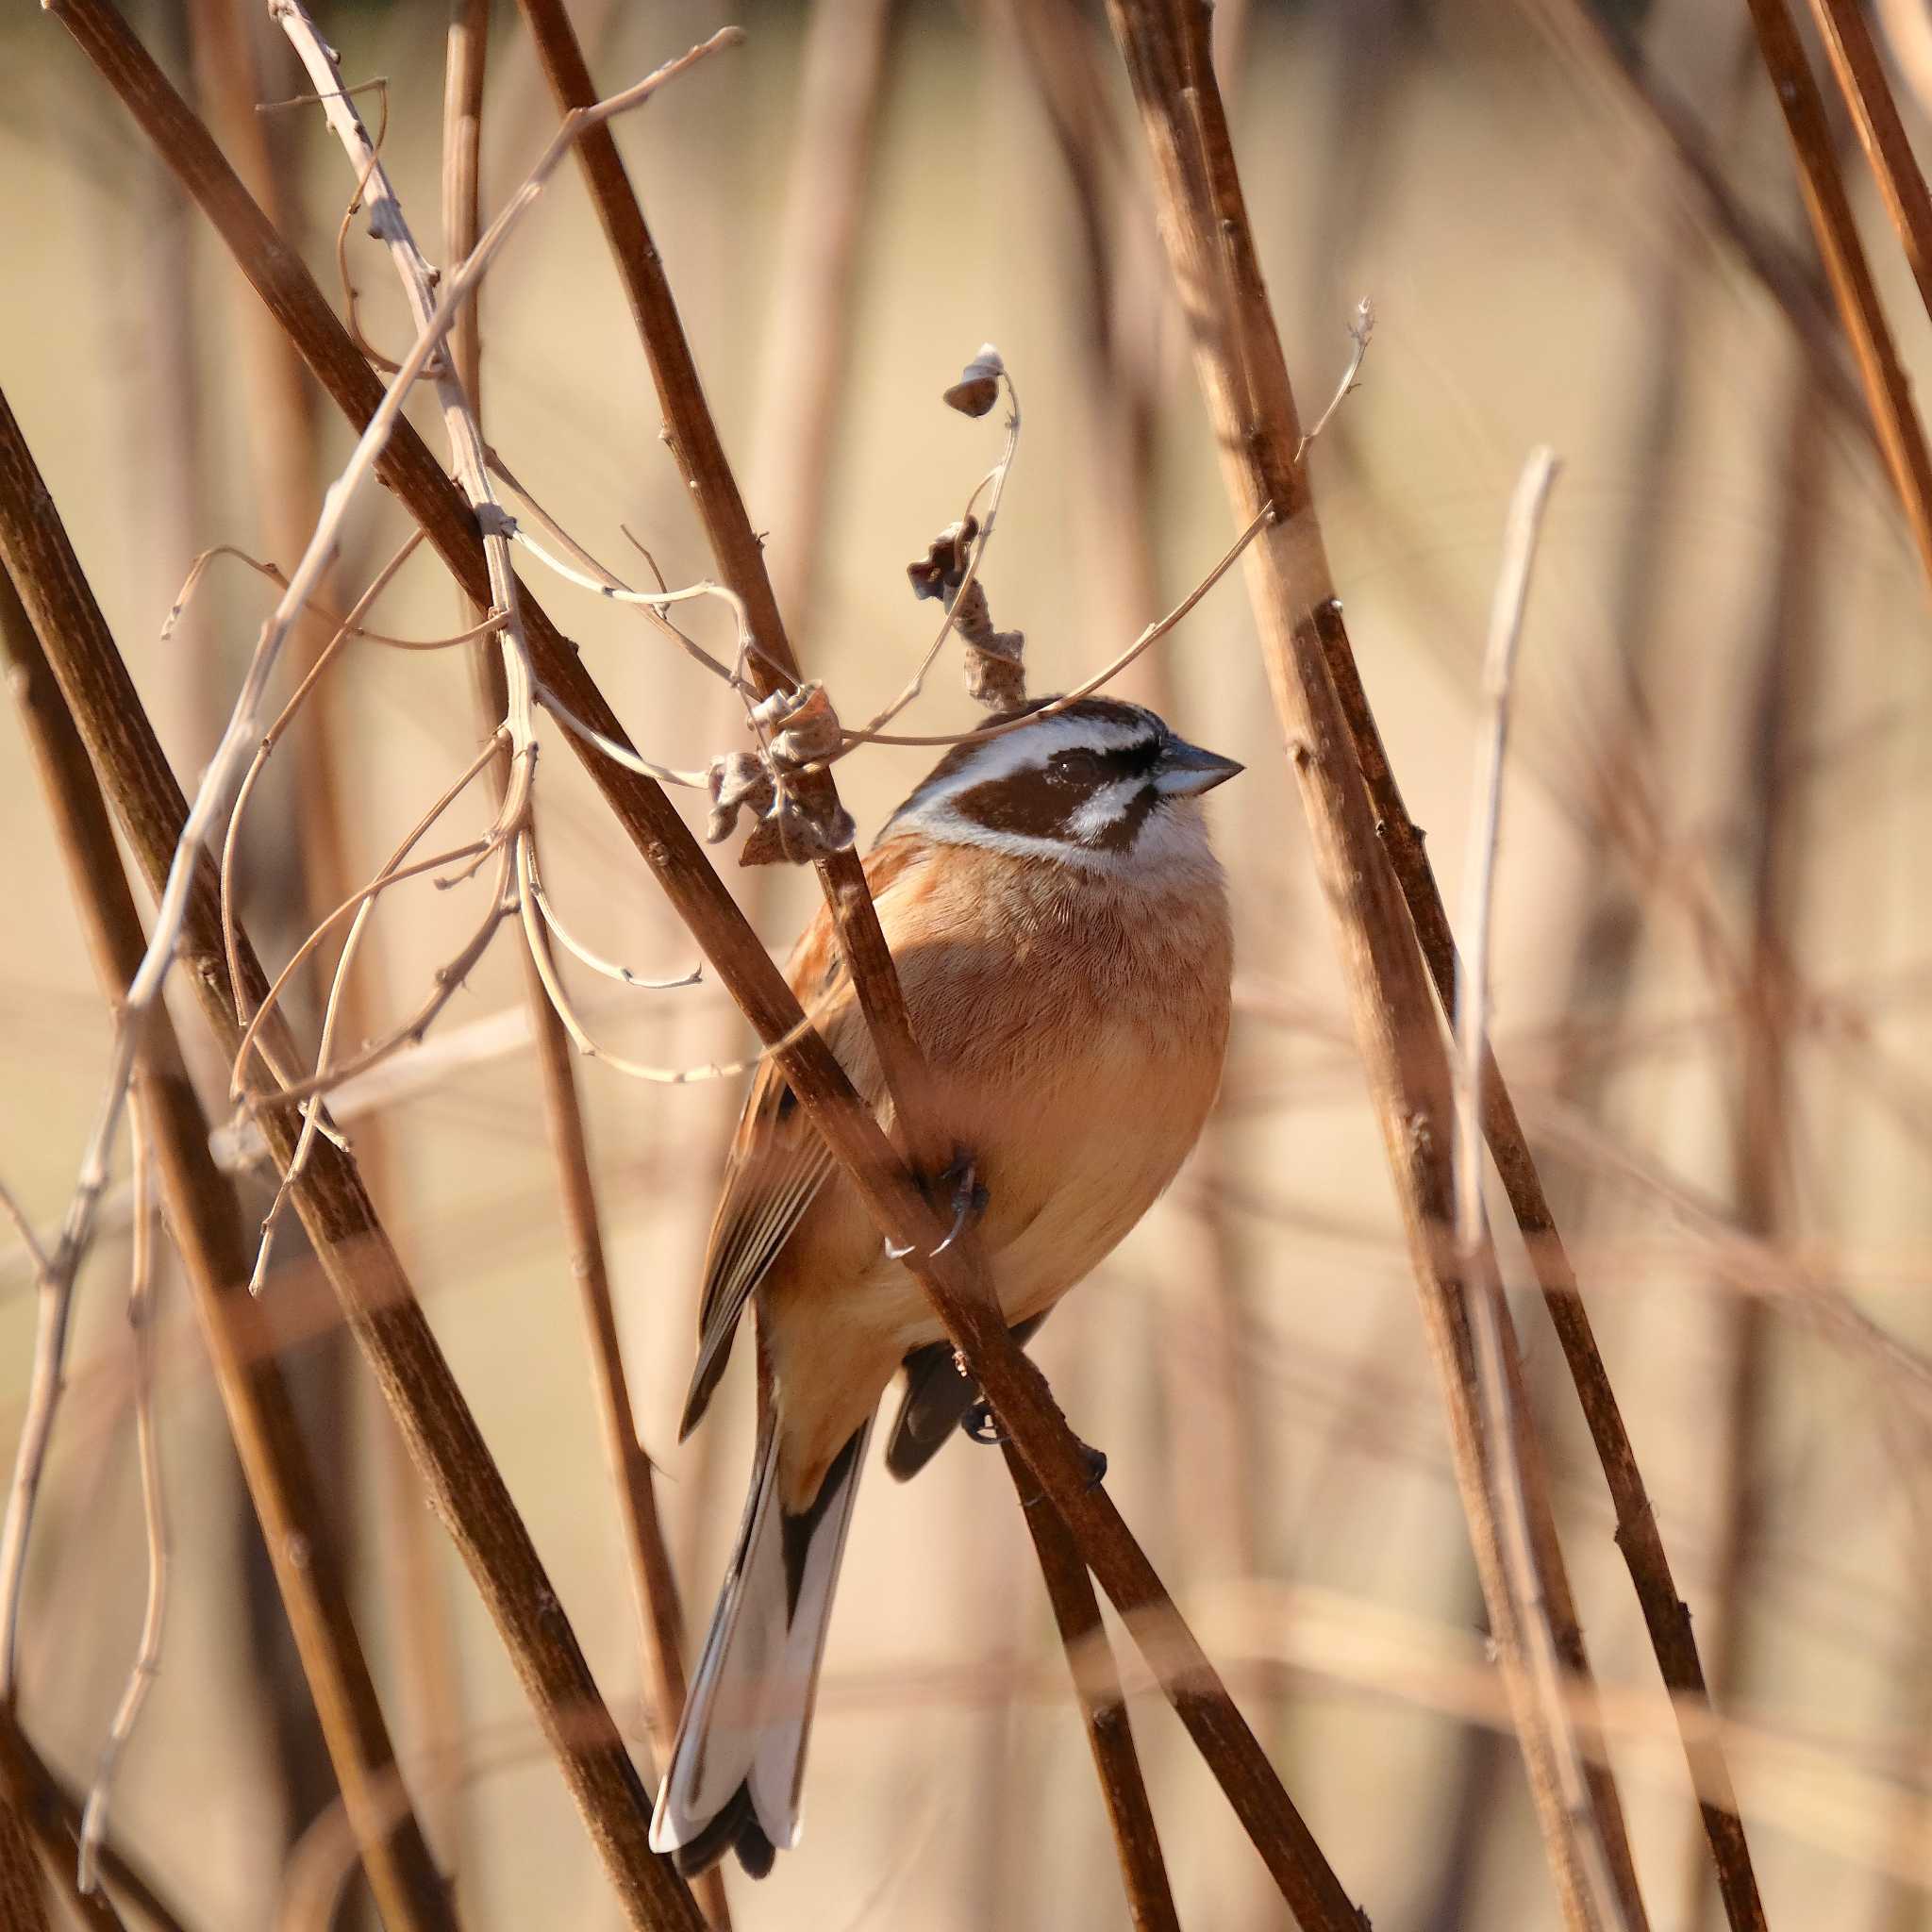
point(654, 1588)
point(50, 1815)
point(23, 1892)
point(1015, 1387)
point(1244, 380)
point(1887, 394)
point(35, 602)
point(379, 1302)
point(1860, 76)
point(1104, 1706)
point(1666, 1618)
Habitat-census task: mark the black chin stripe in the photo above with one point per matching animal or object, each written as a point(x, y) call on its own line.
point(1119, 836)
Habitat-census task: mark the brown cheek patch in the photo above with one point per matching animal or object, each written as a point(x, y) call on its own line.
point(1027, 803)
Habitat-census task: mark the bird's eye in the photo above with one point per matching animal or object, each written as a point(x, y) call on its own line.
point(1076, 766)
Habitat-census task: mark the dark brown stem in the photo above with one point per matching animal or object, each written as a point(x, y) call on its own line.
point(1583, 31)
point(1244, 378)
point(1889, 149)
point(51, 1815)
point(379, 1302)
point(1665, 1614)
point(23, 1888)
point(1012, 1384)
point(699, 453)
point(1110, 1730)
point(208, 1221)
point(653, 1589)
point(1887, 394)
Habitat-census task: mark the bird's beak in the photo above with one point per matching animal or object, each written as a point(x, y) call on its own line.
point(1185, 771)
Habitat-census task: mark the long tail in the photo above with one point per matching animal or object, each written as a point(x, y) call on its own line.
point(738, 1758)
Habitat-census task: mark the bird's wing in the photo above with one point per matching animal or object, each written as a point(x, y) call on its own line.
point(777, 1162)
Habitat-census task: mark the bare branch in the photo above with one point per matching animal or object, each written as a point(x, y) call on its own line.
point(147, 1659)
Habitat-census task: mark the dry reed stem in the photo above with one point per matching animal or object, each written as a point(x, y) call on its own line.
point(813, 283)
point(1246, 382)
point(202, 1208)
point(1583, 33)
point(51, 1816)
point(378, 1304)
point(1887, 394)
point(1011, 1382)
point(1889, 149)
point(654, 1588)
point(1539, 1658)
point(23, 1890)
point(1104, 1707)
point(147, 1659)
point(1666, 1617)
point(706, 471)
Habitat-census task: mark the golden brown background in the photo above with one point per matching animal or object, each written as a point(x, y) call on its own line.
point(1721, 733)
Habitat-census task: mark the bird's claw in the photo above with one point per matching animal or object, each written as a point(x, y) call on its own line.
point(978, 1425)
point(969, 1203)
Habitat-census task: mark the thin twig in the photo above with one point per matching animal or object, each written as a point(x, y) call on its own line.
point(654, 1586)
point(1532, 1620)
point(1152, 635)
point(147, 1658)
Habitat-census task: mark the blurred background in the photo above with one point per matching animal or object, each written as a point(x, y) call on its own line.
point(1577, 227)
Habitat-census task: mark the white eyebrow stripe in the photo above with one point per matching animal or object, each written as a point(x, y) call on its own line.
point(1000, 758)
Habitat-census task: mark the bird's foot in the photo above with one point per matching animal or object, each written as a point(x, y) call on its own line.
point(977, 1426)
point(967, 1199)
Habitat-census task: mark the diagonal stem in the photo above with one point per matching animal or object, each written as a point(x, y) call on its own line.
point(1888, 393)
point(1015, 1387)
point(379, 1302)
point(207, 1223)
point(1244, 380)
point(1104, 1706)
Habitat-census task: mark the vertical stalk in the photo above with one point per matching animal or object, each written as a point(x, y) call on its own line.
point(1244, 380)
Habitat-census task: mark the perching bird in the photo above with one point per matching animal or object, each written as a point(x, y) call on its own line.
point(1060, 927)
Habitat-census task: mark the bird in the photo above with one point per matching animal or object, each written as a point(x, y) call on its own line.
point(1060, 929)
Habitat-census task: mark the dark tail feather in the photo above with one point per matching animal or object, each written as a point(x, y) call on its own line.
point(735, 1829)
point(738, 1757)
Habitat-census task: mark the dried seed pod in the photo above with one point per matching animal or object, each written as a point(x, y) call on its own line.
point(938, 572)
point(979, 386)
